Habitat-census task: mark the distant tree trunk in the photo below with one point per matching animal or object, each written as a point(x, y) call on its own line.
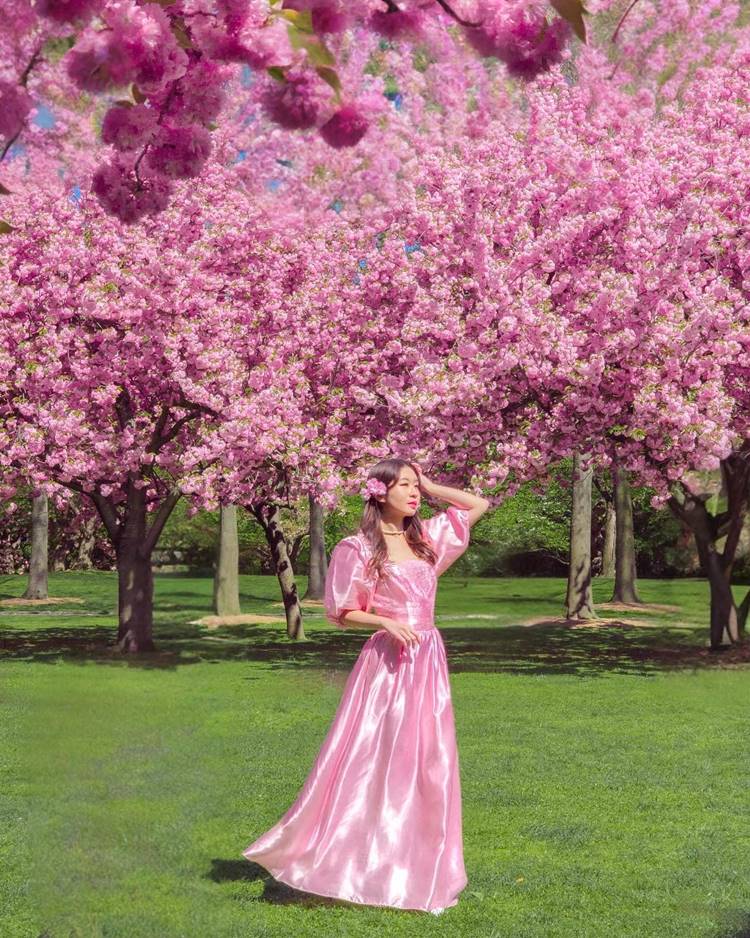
point(579, 602)
point(318, 563)
point(724, 628)
point(608, 550)
point(39, 565)
point(267, 515)
point(86, 544)
point(226, 577)
point(134, 541)
point(625, 572)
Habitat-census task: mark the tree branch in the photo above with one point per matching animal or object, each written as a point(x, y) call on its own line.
point(157, 525)
point(452, 13)
point(107, 513)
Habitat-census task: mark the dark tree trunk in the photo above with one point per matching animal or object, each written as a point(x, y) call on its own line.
point(318, 562)
point(579, 603)
point(136, 598)
point(608, 550)
point(267, 515)
point(134, 540)
point(135, 579)
point(717, 567)
point(39, 564)
point(226, 577)
point(625, 571)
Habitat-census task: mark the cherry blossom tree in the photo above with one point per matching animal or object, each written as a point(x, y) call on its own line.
point(610, 234)
point(126, 361)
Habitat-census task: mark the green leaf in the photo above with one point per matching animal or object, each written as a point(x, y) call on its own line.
point(56, 47)
point(572, 11)
point(330, 76)
point(300, 19)
point(276, 72)
point(318, 54)
point(5, 227)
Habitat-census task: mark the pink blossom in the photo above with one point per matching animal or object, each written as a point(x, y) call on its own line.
point(139, 46)
point(125, 195)
point(179, 152)
point(296, 102)
point(345, 129)
point(197, 97)
point(327, 16)
point(399, 23)
point(372, 488)
point(518, 33)
point(15, 104)
point(68, 11)
point(128, 128)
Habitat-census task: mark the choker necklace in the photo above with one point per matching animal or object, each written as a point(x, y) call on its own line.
point(393, 532)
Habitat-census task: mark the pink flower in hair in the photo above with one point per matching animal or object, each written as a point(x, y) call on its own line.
point(372, 488)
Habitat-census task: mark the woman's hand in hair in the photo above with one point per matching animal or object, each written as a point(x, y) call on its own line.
point(424, 483)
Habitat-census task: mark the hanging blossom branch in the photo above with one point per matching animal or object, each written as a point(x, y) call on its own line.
point(174, 59)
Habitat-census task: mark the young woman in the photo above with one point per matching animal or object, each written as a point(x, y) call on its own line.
point(378, 819)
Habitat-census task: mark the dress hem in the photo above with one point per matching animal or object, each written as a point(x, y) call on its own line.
point(280, 877)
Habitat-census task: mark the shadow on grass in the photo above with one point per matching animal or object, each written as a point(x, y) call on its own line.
point(738, 926)
point(278, 893)
point(550, 647)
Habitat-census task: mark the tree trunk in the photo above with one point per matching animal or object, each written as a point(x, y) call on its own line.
point(135, 579)
point(318, 563)
point(226, 577)
point(267, 515)
point(134, 541)
point(579, 603)
point(136, 599)
point(625, 571)
point(608, 551)
point(39, 565)
point(724, 626)
point(86, 545)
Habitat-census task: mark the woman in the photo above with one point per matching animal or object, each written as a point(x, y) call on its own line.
point(378, 820)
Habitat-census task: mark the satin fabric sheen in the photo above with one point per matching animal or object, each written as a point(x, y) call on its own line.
point(378, 819)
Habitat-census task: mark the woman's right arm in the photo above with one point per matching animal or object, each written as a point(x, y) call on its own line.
point(401, 631)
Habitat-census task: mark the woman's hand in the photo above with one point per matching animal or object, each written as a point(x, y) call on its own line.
point(402, 632)
point(424, 483)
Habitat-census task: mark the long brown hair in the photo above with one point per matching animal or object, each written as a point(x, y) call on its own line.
point(388, 471)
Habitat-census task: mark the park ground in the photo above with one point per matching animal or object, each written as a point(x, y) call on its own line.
point(605, 769)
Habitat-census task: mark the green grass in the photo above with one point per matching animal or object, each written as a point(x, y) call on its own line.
point(605, 772)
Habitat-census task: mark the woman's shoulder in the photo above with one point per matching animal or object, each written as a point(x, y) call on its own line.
point(356, 541)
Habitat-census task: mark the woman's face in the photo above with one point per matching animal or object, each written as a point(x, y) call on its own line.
point(404, 495)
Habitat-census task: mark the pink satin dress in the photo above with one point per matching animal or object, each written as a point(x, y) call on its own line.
point(378, 819)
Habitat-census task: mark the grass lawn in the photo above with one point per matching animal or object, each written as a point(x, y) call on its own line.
point(605, 771)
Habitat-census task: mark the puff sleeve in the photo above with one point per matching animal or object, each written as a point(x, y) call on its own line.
point(347, 587)
point(449, 533)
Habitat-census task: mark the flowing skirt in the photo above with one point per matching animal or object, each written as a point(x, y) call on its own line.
point(378, 819)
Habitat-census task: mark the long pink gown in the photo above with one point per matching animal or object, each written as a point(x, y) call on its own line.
point(378, 819)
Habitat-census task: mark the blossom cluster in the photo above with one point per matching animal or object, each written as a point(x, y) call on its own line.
point(167, 66)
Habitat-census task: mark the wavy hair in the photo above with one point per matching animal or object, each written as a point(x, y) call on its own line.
point(388, 471)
